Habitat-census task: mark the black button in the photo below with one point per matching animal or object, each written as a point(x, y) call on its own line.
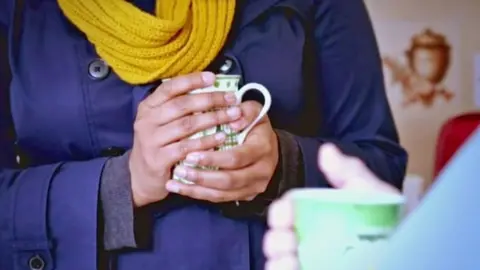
point(98, 69)
point(112, 152)
point(36, 263)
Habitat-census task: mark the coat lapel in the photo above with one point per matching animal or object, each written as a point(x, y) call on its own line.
point(253, 8)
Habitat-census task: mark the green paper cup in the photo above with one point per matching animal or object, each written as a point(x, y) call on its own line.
point(344, 230)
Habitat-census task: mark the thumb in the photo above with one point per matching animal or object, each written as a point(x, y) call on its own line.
point(250, 111)
point(346, 172)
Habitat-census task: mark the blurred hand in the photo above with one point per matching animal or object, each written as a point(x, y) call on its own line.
point(244, 171)
point(162, 126)
point(279, 243)
point(342, 172)
point(346, 172)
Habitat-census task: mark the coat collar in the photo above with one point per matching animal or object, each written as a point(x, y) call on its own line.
point(253, 8)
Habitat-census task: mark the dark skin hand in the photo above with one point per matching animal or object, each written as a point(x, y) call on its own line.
point(163, 124)
point(244, 171)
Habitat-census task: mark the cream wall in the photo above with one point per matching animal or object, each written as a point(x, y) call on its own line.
point(418, 126)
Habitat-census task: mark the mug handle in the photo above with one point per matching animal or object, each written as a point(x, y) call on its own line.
point(266, 106)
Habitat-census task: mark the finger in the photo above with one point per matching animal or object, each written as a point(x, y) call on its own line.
point(194, 103)
point(252, 178)
point(204, 193)
point(236, 158)
point(279, 243)
point(250, 111)
point(288, 262)
point(332, 163)
point(178, 86)
point(214, 179)
point(239, 124)
point(189, 125)
point(177, 151)
point(348, 172)
point(281, 214)
point(341, 169)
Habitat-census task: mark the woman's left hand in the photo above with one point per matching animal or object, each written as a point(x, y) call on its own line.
point(244, 171)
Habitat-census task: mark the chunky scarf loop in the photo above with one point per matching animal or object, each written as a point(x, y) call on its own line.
point(183, 36)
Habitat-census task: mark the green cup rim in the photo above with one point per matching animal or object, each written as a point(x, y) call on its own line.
point(343, 196)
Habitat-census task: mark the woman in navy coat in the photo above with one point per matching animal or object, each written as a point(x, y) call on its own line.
point(89, 133)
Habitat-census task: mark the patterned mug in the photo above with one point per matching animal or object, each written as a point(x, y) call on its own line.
point(229, 83)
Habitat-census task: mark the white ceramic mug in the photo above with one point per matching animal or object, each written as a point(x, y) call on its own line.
point(230, 83)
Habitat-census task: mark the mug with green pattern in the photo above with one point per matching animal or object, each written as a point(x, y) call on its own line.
point(342, 229)
point(229, 83)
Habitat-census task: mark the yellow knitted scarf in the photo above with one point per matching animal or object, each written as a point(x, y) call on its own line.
point(182, 37)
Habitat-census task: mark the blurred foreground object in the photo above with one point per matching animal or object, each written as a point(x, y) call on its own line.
point(443, 233)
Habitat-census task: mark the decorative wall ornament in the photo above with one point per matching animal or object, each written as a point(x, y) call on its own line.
point(420, 76)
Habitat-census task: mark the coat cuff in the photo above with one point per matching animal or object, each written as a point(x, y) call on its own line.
point(288, 174)
point(290, 170)
point(73, 202)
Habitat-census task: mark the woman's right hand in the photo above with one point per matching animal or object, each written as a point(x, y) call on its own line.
point(164, 121)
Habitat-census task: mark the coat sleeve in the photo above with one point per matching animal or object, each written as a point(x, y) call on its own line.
point(44, 208)
point(355, 111)
point(47, 207)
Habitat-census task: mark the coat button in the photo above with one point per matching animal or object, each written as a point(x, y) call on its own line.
point(36, 263)
point(227, 66)
point(98, 69)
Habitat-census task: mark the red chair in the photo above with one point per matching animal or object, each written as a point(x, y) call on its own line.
point(452, 135)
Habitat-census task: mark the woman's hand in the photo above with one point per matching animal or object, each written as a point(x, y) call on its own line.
point(244, 171)
point(342, 172)
point(162, 126)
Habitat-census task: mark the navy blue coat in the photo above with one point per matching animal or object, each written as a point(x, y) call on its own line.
point(318, 58)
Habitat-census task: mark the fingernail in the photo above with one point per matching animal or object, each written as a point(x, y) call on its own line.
point(208, 77)
point(233, 112)
point(193, 158)
point(230, 98)
point(220, 136)
point(180, 172)
point(173, 187)
point(237, 125)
